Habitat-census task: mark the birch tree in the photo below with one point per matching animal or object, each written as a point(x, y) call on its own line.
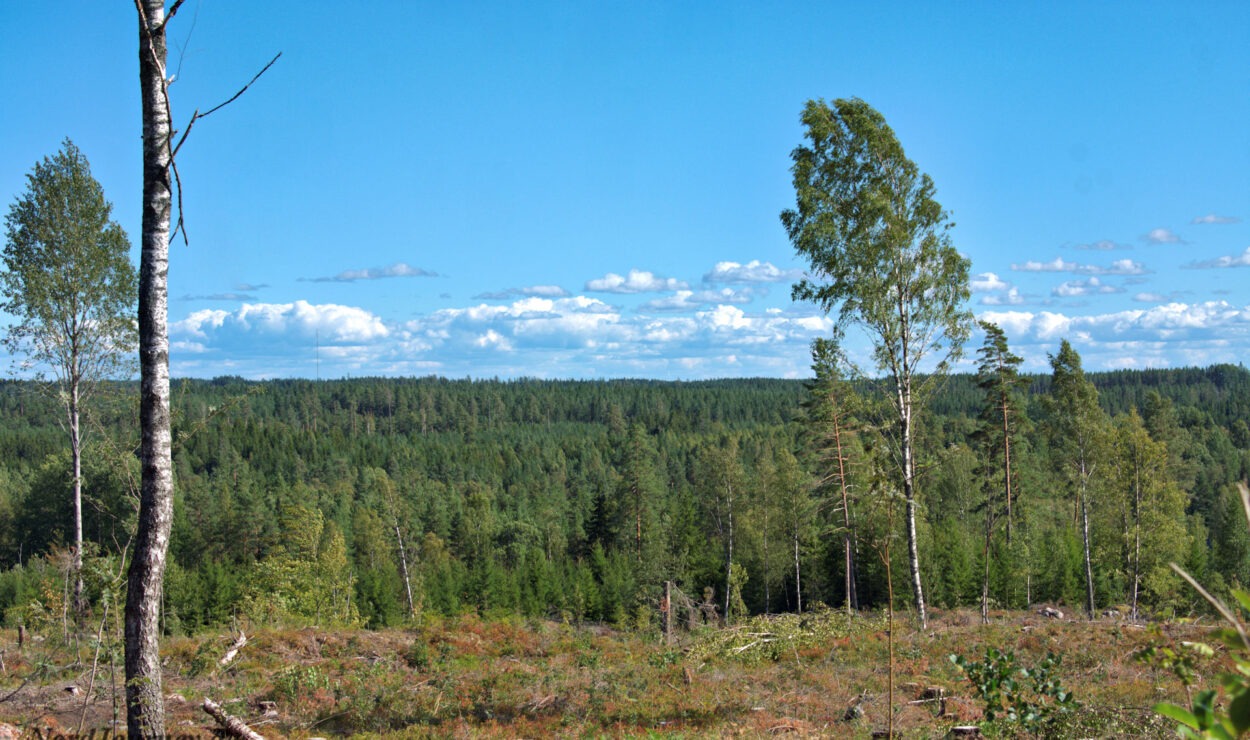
point(145, 708)
point(69, 282)
point(880, 254)
point(1078, 433)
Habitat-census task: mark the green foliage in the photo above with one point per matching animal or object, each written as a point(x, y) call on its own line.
point(1031, 697)
point(867, 220)
point(1206, 718)
point(296, 682)
point(784, 635)
point(517, 516)
point(67, 275)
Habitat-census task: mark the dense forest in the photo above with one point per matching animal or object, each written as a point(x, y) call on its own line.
point(364, 501)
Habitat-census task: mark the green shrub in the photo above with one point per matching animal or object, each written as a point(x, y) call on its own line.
point(1033, 697)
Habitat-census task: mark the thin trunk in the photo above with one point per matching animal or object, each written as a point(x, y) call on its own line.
point(729, 551)
point(985, 579)
point(1089, 568)
point(1136, 538)
point(75, 447)
point(403, 566)
point(889, 585)
point(909, 494)
point(145, 709)
point(848, 565)
point(1007, 464)
point(638, 521)
point(798, 579)
point(767, 592)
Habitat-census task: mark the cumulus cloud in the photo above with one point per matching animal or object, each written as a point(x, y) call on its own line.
point(575, 336)
point(638, 281)
point(542, 291)
point(1092, 286)
point(1237, 260)
point(998, 292)
point(1212, 218)
point(1179, 325)
point(1059, 264)
point(988, 282)
point(289, 322)
point(689, 300)
point(1011, 297)
point(754, 271)
point(399, 269)
point(1162, 236)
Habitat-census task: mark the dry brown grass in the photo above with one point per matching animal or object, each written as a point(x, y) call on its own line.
point(470, 677)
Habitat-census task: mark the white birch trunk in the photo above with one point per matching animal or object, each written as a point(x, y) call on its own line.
point(145, 710)
point(909, 495)
point(1089, 567)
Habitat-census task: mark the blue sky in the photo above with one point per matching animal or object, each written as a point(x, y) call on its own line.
point(584, 190)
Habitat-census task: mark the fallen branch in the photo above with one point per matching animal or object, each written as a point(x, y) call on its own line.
point(234, 650)
point(748, 646)
point(232, 725)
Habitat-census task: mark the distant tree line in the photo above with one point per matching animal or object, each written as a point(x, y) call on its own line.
point(331, 502)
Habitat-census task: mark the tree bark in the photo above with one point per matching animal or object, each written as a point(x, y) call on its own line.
point(403, 564)
point(851, 601)
point(909, 495)
point(1007, 461)
point(729, 552)
point(1089, 567)
point(145, 710)
point(75, 447)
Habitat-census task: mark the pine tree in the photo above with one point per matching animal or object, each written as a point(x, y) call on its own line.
point(1002, 424)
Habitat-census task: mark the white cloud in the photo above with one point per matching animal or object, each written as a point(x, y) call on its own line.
point(1011, 297)
point(399, 269)
point(998, 292)
point(754, 271)
point(493, 339)
point(1162, 236)
point(638, 281)
point(988, 282)
point(275, 339)
point(1212, 218)
point(1238, 260)
point(582, 336)
point(689, 300)
point(1092, 286)
point(1186, 330)
point(1059, 264)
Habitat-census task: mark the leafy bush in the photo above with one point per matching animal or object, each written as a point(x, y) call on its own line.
point(1205, 718)
point(1031, 697)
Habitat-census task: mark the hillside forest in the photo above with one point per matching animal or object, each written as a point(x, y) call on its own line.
point(368, 501)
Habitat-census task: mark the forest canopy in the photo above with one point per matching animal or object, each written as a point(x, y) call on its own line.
point(308, 502)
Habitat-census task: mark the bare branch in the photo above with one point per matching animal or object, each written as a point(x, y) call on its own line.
point(173, 9)
point(240, 92)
